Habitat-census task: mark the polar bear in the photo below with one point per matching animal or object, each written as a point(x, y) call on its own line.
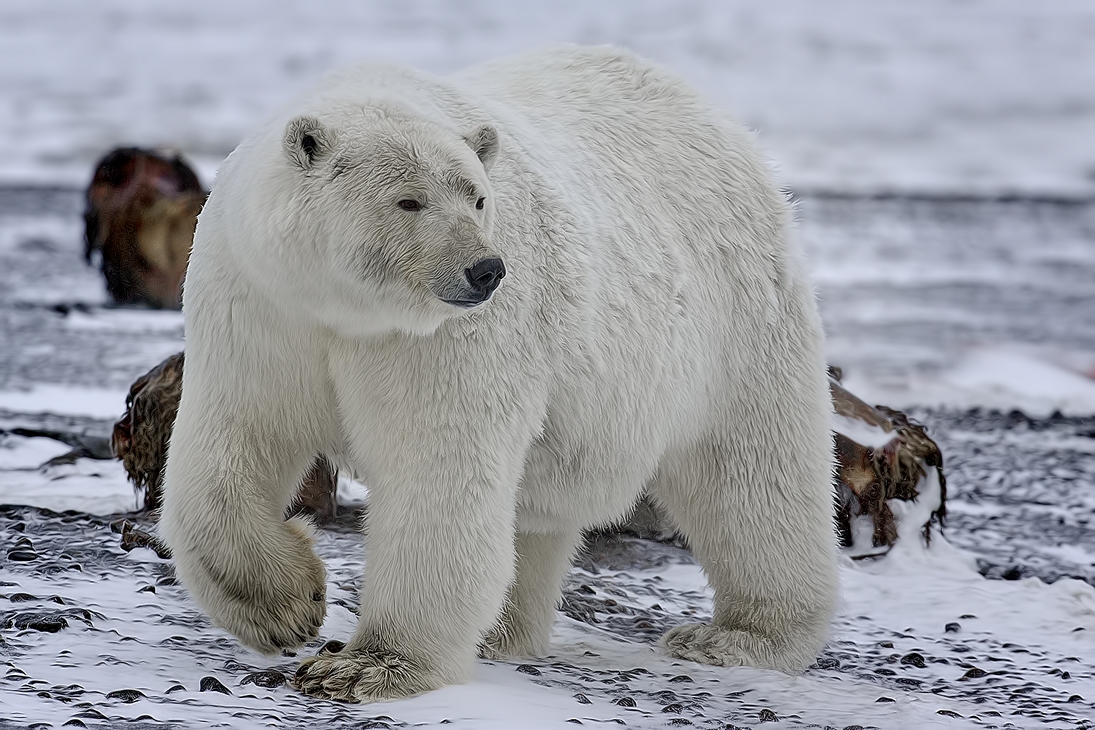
point(511, 301)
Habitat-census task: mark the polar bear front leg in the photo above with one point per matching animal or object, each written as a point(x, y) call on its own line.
point(226, 491)
point(439, 556)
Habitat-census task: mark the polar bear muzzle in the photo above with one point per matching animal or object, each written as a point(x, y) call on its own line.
point(483, 277)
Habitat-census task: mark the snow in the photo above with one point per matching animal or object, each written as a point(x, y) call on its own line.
point(982, 96)
point(927, 303)
point(48, 398)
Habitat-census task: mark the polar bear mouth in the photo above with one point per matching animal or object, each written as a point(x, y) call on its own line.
point(465, 303)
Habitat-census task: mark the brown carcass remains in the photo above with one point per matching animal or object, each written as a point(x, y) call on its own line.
point(142, 207)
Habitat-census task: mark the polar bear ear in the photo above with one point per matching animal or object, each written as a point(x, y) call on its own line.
point(484, 141)
point(307, 141)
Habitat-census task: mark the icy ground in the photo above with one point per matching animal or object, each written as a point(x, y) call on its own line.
point(952, 281)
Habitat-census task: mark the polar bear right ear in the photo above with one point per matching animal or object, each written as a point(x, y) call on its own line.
point(307, 141)
point(484, 142)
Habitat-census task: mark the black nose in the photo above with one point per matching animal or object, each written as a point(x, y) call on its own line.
point(484, 275)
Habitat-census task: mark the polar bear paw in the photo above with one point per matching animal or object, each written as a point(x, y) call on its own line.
point(502, 644)
point(276, 605)
point(709, 644)
point(361, 676)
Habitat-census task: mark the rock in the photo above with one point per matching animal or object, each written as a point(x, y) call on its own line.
point(212, 684)
point(49, 623)
point(270, 679)
point(127, 696)
point(142, 207)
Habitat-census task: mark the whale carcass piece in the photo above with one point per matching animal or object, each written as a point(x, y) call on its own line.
point(142, 207)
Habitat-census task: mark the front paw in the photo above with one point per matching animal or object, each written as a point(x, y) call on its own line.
point(362, 676)
point(273, 598)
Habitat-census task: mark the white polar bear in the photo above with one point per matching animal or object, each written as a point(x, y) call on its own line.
point(654, 331)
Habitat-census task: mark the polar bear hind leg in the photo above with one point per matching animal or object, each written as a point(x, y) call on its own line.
point(759, 521)
point(524, 627)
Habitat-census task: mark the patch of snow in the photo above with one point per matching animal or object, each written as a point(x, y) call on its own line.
point(874, 437)
point(64, 399)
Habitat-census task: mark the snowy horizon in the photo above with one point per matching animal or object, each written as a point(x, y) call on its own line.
point(938, 97)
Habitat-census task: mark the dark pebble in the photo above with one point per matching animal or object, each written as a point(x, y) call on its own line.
point(270, 679)
point(913, 659)
point(885, 699)
point(974, 673)
point(175, 688)
point(47, 622)
point(1075, 698)
point(125, 695)
point(886, 644)
point(582, 699)
point(585, 589)
point(212, 684)
point(947, 713)
point(91, 714)
point(827, 662)
point(574, 721)
point(680, 678)
point(675, 708)
point(624, 702)
point(22, 556)
point(967, 615)
point(953, 627)
point(74, 723)
point(767, 715)
point(529, 670)
point(147, 589)
point(679, 722)
point(21, 597)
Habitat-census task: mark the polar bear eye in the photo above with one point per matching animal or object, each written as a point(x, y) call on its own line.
point(479, 203)
point(409, 204)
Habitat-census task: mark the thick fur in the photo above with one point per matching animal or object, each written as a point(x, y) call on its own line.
point(655, 330)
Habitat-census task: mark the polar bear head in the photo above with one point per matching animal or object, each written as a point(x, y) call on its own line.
point(388, 223)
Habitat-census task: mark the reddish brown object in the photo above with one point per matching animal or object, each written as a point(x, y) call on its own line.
point(867, 477)
point(142, 206)
point(141, 437)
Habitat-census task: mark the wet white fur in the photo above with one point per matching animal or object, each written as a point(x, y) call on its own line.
point(655, 331)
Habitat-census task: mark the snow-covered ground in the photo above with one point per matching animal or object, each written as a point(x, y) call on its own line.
point(931, 302)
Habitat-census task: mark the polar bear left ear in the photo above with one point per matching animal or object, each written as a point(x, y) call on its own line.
point(484, 141)
point(307, 141)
